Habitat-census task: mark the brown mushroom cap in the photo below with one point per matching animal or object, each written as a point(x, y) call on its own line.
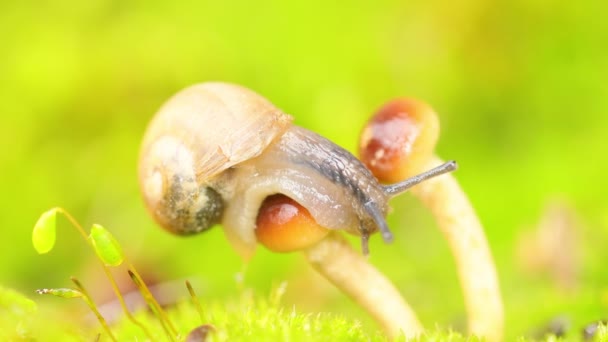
point(283, 225)
point(398, 139)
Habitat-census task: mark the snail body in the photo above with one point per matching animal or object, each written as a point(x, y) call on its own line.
point(215, 151)
point(324, 178)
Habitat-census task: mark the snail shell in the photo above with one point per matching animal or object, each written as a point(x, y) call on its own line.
point(215, 151)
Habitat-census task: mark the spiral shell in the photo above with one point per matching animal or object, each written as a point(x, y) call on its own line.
point(190, 145)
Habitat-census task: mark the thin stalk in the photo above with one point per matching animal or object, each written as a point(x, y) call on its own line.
point(149, 297)
point(91, 304)
point(197, 305)
point(152, 304)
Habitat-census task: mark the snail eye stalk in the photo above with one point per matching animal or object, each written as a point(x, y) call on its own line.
point(376, 215)
point(398, 188)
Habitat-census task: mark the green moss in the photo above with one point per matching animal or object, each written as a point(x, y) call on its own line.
point(251, 317)
point(247, 317)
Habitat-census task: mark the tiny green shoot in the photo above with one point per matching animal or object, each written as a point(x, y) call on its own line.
point(105, 245)
point(93, 307)
point(195, 301)
point(154, 306)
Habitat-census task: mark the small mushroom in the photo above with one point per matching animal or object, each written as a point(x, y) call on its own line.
point(283, 225)
point(397, 143)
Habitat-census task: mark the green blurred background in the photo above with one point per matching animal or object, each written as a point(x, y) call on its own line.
point(520, 87)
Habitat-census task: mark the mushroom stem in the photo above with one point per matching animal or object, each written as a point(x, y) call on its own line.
point(461, 227)
point(348, 270)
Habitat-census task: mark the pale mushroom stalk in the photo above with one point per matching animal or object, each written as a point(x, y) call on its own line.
point(397, 143)
point(349, 271)
point(461, 227)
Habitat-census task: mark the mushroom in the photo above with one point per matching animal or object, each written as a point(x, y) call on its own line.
point(398, 142)
point(283, 225)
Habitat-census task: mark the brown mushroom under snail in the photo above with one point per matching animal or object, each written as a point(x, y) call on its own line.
point(220, 153)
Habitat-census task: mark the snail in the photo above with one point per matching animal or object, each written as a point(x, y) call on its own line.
point(215, 151)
